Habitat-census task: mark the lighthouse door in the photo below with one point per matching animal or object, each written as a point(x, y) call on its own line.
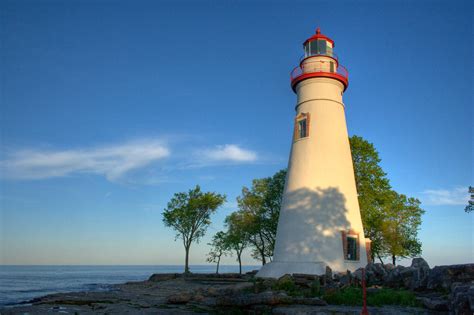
point(331, 66)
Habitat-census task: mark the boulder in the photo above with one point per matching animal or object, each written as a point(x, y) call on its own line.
point(462, 299)
point(394, 279)
point(435, 304)
point(328, 275)
point(304, 280)
point(420, 274)
point(345, 279)
point(442, 277)
point(156, 277)
point(388, 267)
point(375, 273)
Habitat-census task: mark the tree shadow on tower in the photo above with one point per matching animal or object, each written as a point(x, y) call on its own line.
point(310, 226)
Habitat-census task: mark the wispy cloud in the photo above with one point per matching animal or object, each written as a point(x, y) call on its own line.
point(120, 162)
point(445, 197)
point(227, 153)
point(112, 161)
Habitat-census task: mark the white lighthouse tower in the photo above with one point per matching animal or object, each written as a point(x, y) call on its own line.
point(320, 223)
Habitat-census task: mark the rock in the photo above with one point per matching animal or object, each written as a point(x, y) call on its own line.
point(163, 276)
point(304, 280)
point(252, 273)
point(179, 298)
point(442, 277)
point(264, 298)
point(394, 278)
point(357, 275)
point(420, 274)
point(388, 267)
point(345, 280)
point(435, 304)
point(462, 299)
point(419, 263)
point(328, 274)
point(406, 276)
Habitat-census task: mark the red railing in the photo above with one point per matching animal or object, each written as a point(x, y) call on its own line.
point(319, 66)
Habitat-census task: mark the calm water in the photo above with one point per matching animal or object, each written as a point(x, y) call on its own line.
point(22, 283)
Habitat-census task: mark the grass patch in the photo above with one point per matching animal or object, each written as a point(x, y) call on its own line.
point(287, 285)
point(353, 296)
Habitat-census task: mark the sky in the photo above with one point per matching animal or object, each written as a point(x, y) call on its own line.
point(108, 108)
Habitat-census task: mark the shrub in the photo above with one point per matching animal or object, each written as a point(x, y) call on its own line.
point(287, 285)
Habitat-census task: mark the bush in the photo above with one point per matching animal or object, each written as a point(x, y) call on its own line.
point(288, 285)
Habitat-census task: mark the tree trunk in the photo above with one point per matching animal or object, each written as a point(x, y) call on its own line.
point(393, 259)
point(218, 261)
point(240, 262)
point(262, 251)
point(380, 258)
point(186, 263)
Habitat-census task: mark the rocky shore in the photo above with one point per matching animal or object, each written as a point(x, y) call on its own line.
point(441, 290)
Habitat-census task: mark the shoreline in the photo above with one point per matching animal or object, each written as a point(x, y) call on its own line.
point(190, 294)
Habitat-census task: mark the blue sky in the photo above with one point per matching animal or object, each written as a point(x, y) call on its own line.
point(108, 108)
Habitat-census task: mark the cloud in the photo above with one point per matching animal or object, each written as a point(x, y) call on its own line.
point(228, 153)
point(112, 161)
point(445, 197)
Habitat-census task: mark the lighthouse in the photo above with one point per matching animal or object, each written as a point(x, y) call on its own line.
point(320, 223)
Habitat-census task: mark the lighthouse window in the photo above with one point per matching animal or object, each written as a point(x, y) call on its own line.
point(302, 128)
point(351, 248)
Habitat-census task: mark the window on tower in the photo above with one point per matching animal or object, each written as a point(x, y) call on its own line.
point(301, 126)
point(351, 248)
point(350, 244)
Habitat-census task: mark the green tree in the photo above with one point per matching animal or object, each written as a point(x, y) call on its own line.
point(189, 214)
point(219, 248)
point(373, 188)
point(470, 203)
point(237, 235)
point(260, 208)
point(390, 220)
point(400, 226)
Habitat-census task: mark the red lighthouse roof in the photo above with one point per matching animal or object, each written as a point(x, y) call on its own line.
point(318, 35)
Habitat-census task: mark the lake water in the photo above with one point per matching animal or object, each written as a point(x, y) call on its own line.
point(23, 283)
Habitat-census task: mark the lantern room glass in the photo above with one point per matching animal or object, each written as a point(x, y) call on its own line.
point(317, 47)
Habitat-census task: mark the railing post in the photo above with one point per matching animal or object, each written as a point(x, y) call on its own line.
point(364, 295)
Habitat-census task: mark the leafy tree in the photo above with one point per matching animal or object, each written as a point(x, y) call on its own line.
point(219, 248)
point(390, 220)
point(373, 190)
point(400, 226)
point(237, 235)
point(260, 208)
point(470, 204)
point(189, 215)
